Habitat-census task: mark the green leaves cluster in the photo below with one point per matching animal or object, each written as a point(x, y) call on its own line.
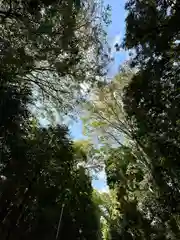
point(46, 44)
point(137, 123)
point(44, 192)
point(40, 178)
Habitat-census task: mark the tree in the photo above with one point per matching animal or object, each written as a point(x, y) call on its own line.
point(138, 127)
point(43, 190)
point(46, 43)
point(38, 172)
point(128, 177)
point(140, 200)
point(104, 111)
point(88, 156)
point(44, 184)
point(107, 206)
point(151, 99)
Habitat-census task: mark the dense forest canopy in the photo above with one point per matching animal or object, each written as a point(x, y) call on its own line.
point(49, 50)
point(44, 193)
point(46, 44)
point(136, 120)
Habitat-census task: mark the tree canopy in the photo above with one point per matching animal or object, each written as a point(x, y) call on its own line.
point(49, 52)
point(46, 44)
point(137, 121)
point(44, 193)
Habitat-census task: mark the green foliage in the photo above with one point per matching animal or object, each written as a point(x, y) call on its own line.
point(137, 123)
point(44, 193)
point(151, 102)
point(46, 43)
point(39, 177)
point(45, 185)
point(104, 113)
point(107, 206)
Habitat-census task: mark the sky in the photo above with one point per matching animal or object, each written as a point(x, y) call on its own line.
point(115, 35)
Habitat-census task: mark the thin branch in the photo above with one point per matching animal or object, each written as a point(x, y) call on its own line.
point(116, 127)
point(116, 139)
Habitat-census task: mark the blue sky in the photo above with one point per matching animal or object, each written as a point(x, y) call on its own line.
point(115, 35)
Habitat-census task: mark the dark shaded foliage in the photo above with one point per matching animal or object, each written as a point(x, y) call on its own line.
point(152, 101)
point(40, 179)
